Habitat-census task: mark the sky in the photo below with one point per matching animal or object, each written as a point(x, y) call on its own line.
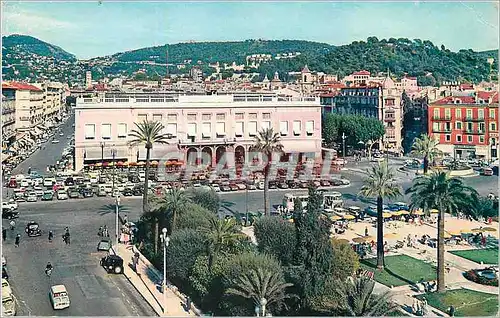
point(97, 28)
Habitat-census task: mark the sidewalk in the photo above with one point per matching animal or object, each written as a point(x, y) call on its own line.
point(148, 280)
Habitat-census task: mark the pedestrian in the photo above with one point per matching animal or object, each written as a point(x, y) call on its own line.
point(100, 232)
point(4, 234)
point(451, 311)
point(366, 230)
point(18, 238)
point(125, 219)
point(51, 235)
point(12, 225)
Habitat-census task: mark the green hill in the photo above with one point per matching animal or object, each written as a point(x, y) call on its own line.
point(25, 44)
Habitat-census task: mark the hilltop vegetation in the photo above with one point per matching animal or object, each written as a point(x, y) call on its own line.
point(28, 45)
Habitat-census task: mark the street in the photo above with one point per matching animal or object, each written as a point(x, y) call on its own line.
point(92, 291)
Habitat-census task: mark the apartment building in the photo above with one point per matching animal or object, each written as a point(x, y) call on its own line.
point(466, 126)
point(29, 103)
point(201, 126)
point(53, 102)
point(8, 118)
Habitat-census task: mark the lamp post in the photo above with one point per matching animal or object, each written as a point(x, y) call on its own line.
point(343, 146)
point(386, 146)
point(117, 206)
point(113, 155)
point(165, 240)
point(103, 144)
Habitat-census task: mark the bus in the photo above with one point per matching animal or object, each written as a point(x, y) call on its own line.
point(331, 200)
point(288, 200)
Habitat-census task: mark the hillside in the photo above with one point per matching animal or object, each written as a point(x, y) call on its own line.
point(30, 45)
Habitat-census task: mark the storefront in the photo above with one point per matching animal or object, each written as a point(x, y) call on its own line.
point(464, 151)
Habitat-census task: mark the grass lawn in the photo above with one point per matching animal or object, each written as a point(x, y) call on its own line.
point(466, 302)
point(487, 255)
point(400, 270)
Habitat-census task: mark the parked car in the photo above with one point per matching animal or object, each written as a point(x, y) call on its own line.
point(233, 187)
point(73, 193)
point(260, 186)
point(225, 188)
point(127, 192)
point(283, 185)
point(62, 195)
point(241, 186)
point(48, 195)
point(325, 183)
point(486, 171)
point(11, 204)
point(55, 141)
point(32, 197)
point(101, 192)
point(251, 186)
point(215, 187)
point(9, 214)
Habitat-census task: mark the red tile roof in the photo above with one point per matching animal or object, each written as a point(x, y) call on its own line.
point(20, 86)
point(468, 99)
point(363, 72)
point(466, 86)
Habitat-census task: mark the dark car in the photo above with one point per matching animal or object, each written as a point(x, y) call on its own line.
point(134, 178)
point(9, 214)
point(272, 184)
point(4, 273)
point(33, 229)
point(112, 264)
point(283, 185)
point(128, 192)
point(87, 193)
point(48, 196)
point(104, 245)
point(69, 182)
point(138, 190)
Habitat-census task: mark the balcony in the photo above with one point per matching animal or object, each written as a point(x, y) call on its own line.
point(440, 117)
point(389, 119)
point(474, 132)
point(441, 130)
point(468, 118)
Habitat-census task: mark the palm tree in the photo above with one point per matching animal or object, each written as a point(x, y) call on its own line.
point(258, 284)
point(357, 298)
point(447, 194)
point(172, 203)
point(268, 142)
point(221, 234)
point(426, 147)
point(380, 184)
point(147, 133)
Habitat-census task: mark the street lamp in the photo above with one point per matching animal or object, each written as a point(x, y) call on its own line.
point(343, 145)
point(103, 144)
point(165, 240)
point(117, 207)
point(113, 155)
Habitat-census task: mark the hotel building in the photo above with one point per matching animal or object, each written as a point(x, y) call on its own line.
point(200, 125)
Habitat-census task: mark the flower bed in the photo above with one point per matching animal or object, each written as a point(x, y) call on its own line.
point(473, 275)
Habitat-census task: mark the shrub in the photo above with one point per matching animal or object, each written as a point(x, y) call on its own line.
point(473, 276)
point(276, 237)
point(185, 246)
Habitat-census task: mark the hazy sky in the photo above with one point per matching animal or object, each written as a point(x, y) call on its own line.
point(89, 29)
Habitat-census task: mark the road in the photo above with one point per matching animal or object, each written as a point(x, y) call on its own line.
point(92, 291)
point(52, 152)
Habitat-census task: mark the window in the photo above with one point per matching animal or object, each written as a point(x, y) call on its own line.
point(220, 129)
point(297, 129)
point(89, 131)
point(459, 138)
point(481, 139)
point(206, 130)
point(447, 113)
point(458, 125)
point(221, 116)
point(191, 129)
point(469, 139)
point(447, 138)
point(191, 117)
point(436, 113)
point(435, 126)
point(284, 128)
point(142, 117)
point(266, 124)
point(310, 127)
point(252, 116)
point(252, 128)
point(447, 126)
point(480, 113)
point(469, 126)
point(239, 129)
point(206, 117)
point(458, 113)
point(172, 129)
point(122, 130)
point(492, 113)
point(493, 126)
point(172, 117)
point(239, 116)
point(481, 127)
point(157, 117)
point(469, 113)
point(266, 115)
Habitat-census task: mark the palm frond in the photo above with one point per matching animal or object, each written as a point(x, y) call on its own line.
point(148, 133)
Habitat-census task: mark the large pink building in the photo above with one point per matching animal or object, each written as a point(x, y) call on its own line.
point(201, 126)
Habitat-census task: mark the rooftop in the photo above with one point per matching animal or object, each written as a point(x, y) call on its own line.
point(20, 86)
point(483, 98)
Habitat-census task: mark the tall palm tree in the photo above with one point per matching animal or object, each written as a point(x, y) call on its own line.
point(221, 234)
point(357, 298)
point(380, 184)
point(447, 194)
point(173, 202)
point(267, 142)
point(258, 284)
point(426, 147)
point(147, 133)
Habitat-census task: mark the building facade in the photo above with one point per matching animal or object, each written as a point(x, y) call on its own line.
point(466, 126)
point(8, 118)
point(29, 104)
point(204, 127)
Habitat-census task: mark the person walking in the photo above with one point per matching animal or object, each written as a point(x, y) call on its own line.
point(12, 225)
point(18, 238)
point(51, 236)
point(4, 234)
point(366, 230)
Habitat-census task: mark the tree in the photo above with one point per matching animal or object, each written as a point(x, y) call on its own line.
point(220, 235)
point(426, 147)
point(210, 200)
point(194, 217)
point(147, 133)
point(345, 260)
point(380, 184)
point(446, 194)
point(357, 298)
point(275, 237)
point(356, 129)
point(486, 208)
point(185, 246)
point(267, 142)
point(256, 277)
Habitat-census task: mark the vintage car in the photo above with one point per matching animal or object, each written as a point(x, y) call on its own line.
point(33, 229)
point(104, 245)
point(59, 297)
point(112, 264)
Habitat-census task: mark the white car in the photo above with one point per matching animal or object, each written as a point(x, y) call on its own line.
point(241, 186)
point(62, 195)
point(260, 186)
point(32, 197)
point(55, 141)
point(4, 261)
point(20, 177)
point(59, 297)
point(25, 183)
point(61, 134)
point(6, 290)
point(12, 205)
point(48, 182)
point(216, 188)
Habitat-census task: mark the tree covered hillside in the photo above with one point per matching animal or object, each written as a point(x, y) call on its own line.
point(25, 44)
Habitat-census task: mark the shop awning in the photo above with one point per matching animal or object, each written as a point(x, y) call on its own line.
point(97, 154)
